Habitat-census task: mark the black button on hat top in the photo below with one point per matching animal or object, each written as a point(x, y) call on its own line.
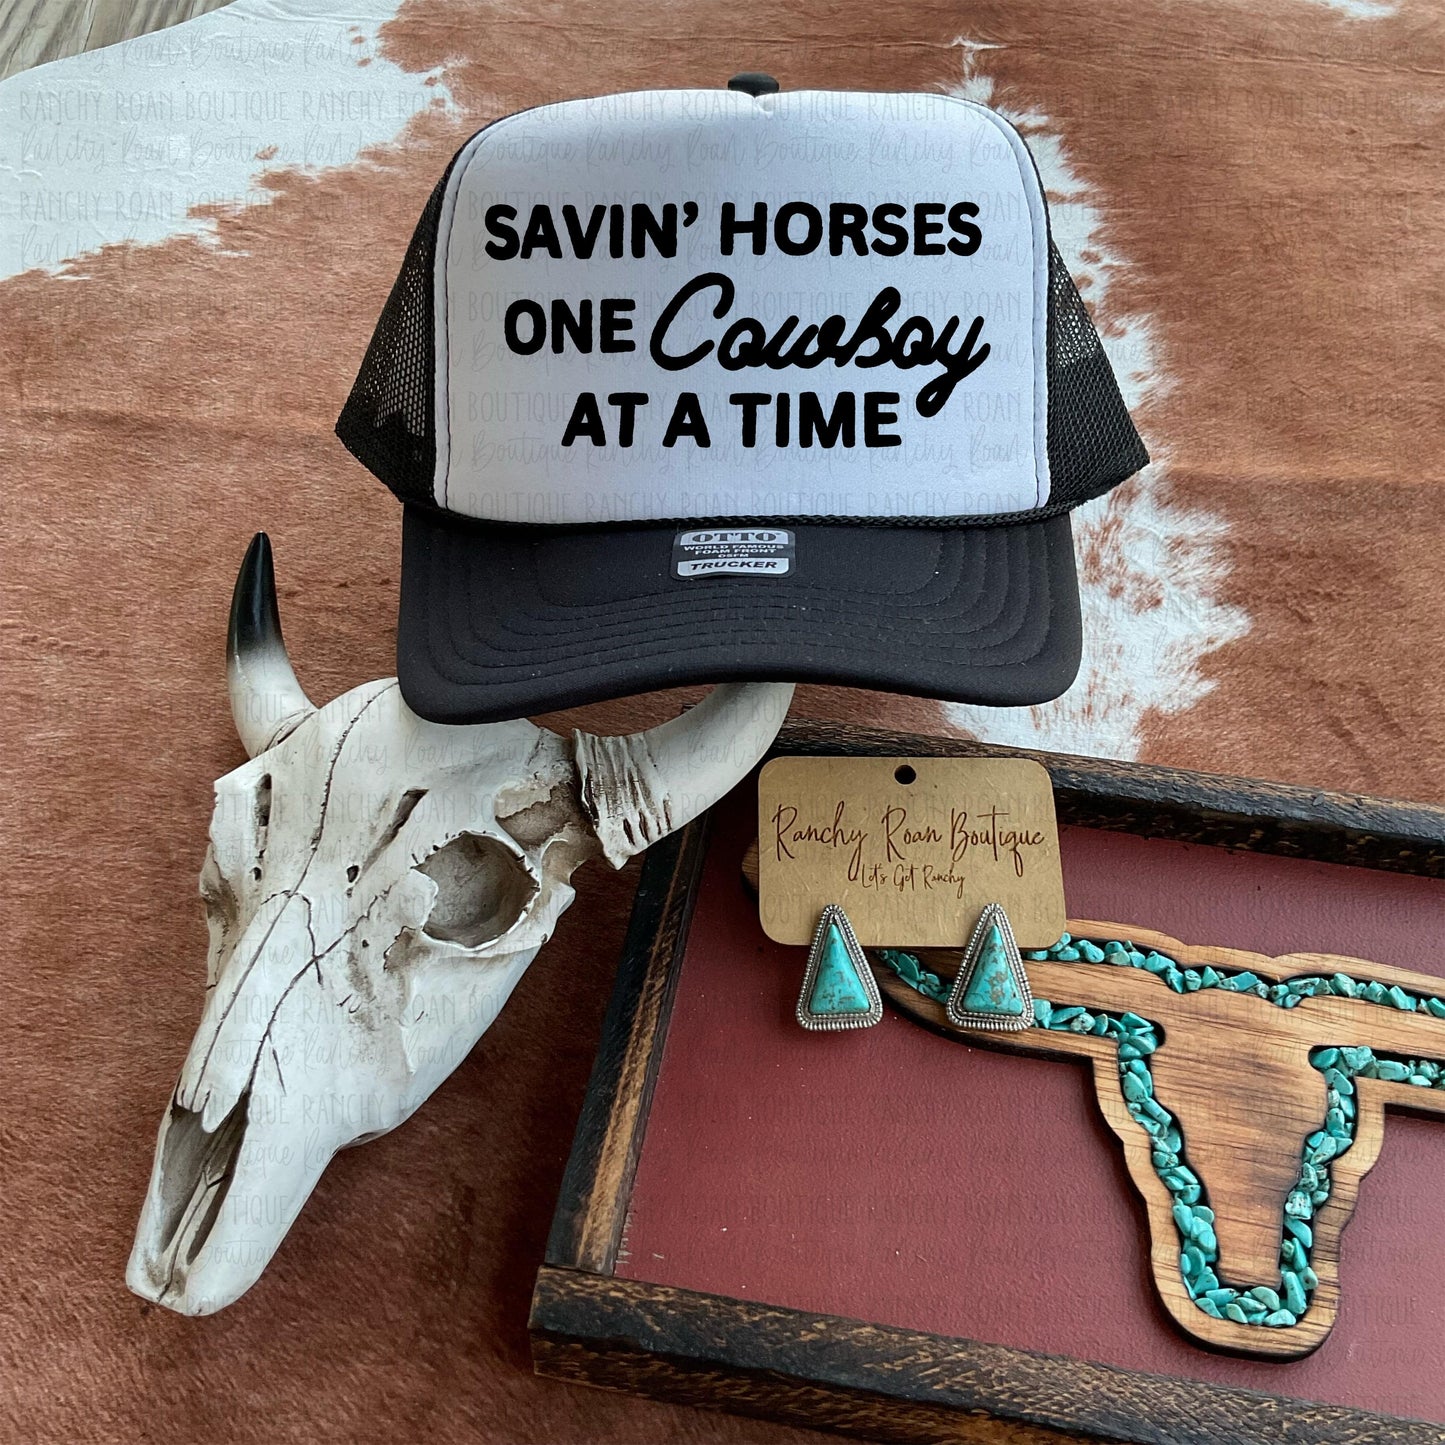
point(754, 82)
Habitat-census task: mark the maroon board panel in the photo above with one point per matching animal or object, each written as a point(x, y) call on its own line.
point(896, 1176)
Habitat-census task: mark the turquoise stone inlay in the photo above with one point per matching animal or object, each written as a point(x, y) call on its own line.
point(992, 988)
point(837, 989)
point(1138, 1038)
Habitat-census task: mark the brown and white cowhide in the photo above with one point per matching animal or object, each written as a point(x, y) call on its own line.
point(198, 237)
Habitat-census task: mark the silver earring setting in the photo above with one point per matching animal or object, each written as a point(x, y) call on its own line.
point(991, 990)
point(839, 990)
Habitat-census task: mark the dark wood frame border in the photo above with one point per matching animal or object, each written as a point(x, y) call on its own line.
point(883, 1383)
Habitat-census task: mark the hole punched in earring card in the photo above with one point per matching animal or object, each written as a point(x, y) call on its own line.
point(910, 848)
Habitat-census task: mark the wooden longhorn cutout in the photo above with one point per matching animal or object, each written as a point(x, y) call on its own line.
point(1234, 1070)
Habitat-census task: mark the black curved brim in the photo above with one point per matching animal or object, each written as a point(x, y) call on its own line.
point(504, 622)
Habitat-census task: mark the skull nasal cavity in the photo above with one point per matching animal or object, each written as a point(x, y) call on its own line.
point(483, 888)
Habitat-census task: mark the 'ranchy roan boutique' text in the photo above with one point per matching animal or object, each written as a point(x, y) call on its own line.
point(887, 853)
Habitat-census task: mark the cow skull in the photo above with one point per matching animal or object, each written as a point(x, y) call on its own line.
point(375, 886)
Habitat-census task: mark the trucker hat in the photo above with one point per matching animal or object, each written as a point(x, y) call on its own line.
point(692, 386)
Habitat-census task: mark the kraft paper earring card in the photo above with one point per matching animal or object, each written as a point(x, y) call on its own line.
point(912, 849)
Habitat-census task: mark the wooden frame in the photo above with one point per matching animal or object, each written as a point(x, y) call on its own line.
point(880, 1382)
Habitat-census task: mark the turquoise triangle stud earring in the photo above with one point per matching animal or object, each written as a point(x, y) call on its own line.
point(991, 990)
point(839, 990)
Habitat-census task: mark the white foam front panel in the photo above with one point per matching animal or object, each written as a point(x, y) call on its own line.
point(704, 304)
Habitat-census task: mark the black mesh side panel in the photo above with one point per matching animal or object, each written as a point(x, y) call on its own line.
point(1092, 443)
point(389, 421)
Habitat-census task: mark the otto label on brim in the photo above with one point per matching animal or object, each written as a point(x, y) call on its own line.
point(732, 552)
point(910, 848)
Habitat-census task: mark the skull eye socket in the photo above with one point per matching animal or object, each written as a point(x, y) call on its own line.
point(483, 889)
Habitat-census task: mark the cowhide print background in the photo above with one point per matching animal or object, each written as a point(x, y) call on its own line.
point(197, 231)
